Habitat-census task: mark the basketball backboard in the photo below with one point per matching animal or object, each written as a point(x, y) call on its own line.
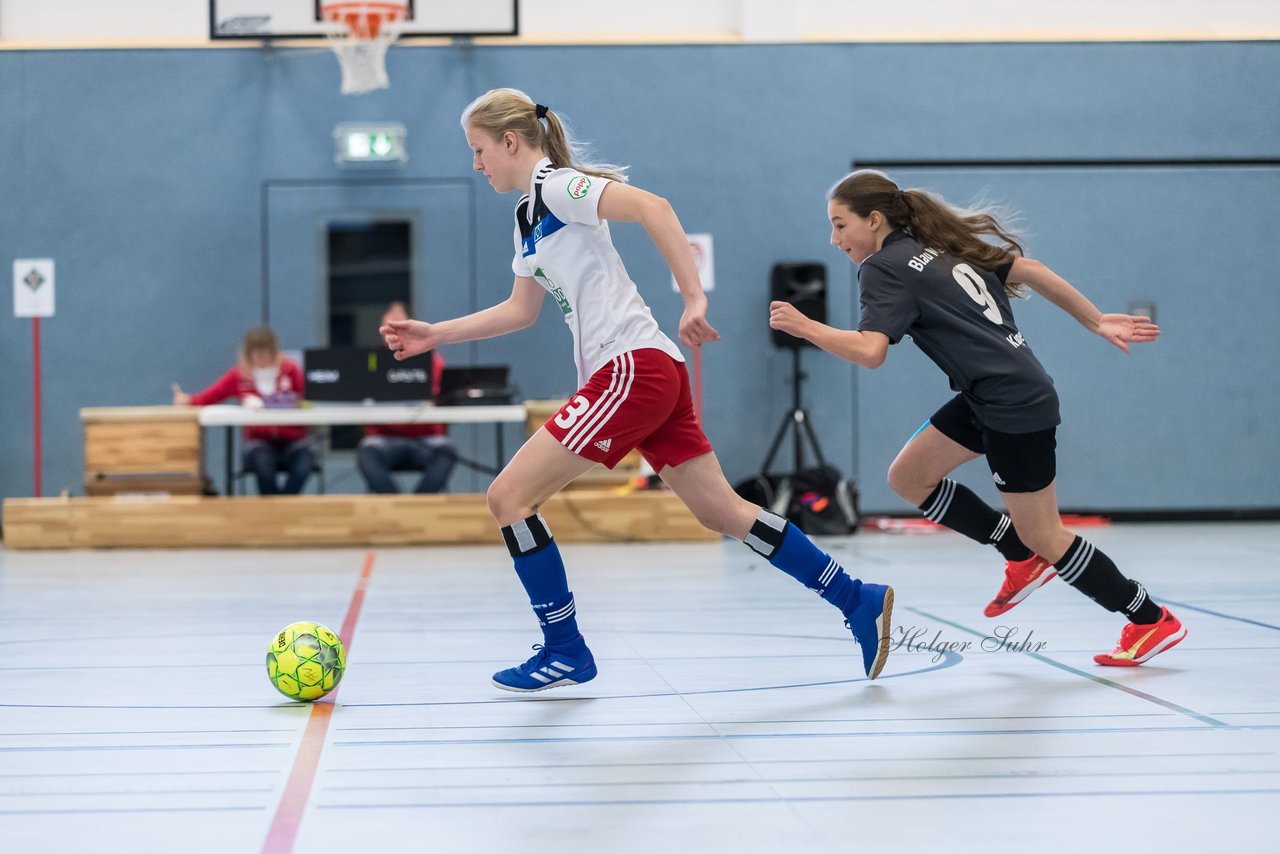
point(300, 19)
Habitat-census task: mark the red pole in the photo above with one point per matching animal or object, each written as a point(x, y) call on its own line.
point(35, 342)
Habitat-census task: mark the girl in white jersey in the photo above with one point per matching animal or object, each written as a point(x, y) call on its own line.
point(926, 271)
point(634, 388)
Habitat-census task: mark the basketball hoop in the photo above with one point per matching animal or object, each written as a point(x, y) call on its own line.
point(361, 34)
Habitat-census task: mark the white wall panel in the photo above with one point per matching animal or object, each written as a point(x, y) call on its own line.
point(184, 21)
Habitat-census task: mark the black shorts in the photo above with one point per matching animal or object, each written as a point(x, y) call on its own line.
point(1019, 462)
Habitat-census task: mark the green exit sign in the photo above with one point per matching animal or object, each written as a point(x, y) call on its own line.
point(383, 143)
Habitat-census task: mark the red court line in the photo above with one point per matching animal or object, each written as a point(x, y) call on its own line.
point(293, 804)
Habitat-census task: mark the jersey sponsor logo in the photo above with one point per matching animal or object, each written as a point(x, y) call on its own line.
point(604, 444)
point(919, 262)
point(1016, 339)
point(579, 187)
point(561, 300)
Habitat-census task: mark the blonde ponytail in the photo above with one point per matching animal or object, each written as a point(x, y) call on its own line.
point(501, 110)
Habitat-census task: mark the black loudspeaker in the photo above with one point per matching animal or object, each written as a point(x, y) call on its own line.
point(804, 285)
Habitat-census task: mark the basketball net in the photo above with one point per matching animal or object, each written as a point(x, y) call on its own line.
point(361, 34)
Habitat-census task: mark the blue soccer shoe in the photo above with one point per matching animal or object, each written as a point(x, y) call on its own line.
point(548, 668)
point(870, 622)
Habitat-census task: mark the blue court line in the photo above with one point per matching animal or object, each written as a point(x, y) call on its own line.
point(90, 811)
point(745, 781)
point(698, 802)
point(145, 732)
point(790, 721)
point(71, 748)
point(1222, 615)
point(645, 738)
point(143, 773)
point(602, 739)
point(491, 662)
point(126, 636)
point(148, 792)
point(169, 666)
point(1038, 757)
point(96, 706)
point(1151, 698)
point(950, 659)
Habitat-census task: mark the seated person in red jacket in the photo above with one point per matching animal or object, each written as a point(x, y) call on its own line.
point(263, 377)
point(407, 447)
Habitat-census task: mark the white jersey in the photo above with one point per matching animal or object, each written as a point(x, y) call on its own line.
point(563, 244)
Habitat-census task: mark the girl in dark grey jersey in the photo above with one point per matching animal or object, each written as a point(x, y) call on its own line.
point(926, 271)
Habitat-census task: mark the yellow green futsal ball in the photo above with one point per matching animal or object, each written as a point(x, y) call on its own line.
point(305, 661)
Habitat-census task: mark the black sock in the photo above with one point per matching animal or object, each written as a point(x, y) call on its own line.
point(1094, 574)
point(960, 509)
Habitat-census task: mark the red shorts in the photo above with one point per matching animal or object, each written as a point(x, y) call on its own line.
point(639, 400)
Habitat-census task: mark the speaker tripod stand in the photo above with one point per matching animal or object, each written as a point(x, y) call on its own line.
point(795, 422)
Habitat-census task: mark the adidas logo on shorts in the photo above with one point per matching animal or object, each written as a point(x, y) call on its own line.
point(604, 445)
point(995, 475)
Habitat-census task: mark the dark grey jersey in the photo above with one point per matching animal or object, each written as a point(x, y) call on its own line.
point(959, 316)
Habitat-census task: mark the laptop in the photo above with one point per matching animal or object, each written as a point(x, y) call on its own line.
point(474, 385)
point(353, 374)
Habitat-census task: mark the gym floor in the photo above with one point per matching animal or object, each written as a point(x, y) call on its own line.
point(730, 713)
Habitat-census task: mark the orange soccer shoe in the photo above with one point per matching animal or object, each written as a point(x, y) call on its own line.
point(1141, 643)
point(1021, 579)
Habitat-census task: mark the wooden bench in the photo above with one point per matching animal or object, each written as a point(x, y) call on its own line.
point(302, 521)
point(142, 449)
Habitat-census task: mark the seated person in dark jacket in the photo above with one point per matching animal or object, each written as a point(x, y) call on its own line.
point(386, 448)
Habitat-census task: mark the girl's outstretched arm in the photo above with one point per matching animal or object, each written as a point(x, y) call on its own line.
point(862, 348)
point(1119, 329)
point(518, 311)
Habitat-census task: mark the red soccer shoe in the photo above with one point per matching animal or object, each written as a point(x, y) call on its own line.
point(1021, 579)
point(1139, 643)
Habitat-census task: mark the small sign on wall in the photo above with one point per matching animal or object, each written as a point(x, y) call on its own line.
point(703, 255)
point(33, 287)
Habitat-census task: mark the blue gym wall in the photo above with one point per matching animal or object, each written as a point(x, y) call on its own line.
point(144, 174)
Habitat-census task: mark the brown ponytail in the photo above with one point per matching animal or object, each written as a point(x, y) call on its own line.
point(933, 222)
point(501, 110)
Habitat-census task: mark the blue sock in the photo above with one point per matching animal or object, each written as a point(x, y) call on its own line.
point(786, 547)
point(541, 571)
point(559, 626)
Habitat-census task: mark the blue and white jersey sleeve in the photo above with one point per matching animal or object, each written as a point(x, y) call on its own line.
point(520, 264)
point(573, 197)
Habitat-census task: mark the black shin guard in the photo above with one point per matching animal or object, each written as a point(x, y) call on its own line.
point(766, 534)
point(1095, 575)
point(960, 509)
point(526, 536)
